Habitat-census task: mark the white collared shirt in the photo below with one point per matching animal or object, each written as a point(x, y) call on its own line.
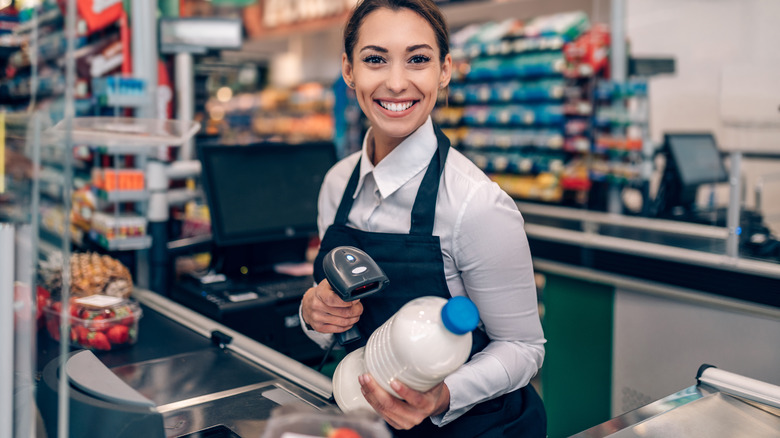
point(484, 249)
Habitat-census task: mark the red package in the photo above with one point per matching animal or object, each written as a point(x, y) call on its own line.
point(99, 14)
point(588, 54)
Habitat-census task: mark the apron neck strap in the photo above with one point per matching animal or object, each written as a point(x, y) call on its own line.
point(424, 209)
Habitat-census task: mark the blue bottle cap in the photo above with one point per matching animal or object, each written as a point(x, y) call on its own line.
point(460, 315)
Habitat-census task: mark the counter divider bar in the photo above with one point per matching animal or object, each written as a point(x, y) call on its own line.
point(664, 252)
point(660, 225)
point(656, 289)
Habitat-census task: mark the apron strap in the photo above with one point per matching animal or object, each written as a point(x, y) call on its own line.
point(424, 209)
point(346, 199)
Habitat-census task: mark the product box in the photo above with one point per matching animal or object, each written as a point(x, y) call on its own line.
point(97, 322)
point(293, 421)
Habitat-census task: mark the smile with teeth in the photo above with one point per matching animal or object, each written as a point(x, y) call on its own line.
point(396, 106)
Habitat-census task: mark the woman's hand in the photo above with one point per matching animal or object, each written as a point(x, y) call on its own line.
point(412, 410)
point(326, 312)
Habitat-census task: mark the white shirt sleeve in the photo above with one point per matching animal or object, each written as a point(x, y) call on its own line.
point(491, 251)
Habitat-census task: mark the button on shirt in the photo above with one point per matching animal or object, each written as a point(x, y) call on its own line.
point(484, 249)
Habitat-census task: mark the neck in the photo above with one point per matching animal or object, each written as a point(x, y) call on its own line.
point(382, 147)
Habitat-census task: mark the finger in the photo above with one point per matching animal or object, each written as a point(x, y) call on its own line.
point(313, 302)
point(395, 411)
point(330, 328)
point(342, 312)
point(331, 298)
point(320, 317)
point(333, 324)
point(414, 398)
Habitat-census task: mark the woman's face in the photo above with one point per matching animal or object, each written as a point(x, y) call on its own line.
point(396, 71)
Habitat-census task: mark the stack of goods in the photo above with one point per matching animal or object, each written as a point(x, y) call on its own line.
point(621, 125)
point(102, 314)
point(290, 115)
point(521, 101)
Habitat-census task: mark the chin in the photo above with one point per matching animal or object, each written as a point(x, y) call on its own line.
point(400, 127)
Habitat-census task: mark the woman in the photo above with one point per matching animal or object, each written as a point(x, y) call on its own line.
point(436, 225)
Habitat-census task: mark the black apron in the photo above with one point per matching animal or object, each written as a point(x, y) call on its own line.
point(413, 263)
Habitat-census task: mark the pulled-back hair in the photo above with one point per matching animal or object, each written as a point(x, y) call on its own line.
point(427, 9)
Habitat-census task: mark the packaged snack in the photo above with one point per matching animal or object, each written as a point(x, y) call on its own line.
point(97, 322)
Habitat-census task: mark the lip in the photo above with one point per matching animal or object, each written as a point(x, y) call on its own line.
point(389, 113)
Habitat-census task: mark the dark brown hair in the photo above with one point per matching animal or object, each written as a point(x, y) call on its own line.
point(427, 9)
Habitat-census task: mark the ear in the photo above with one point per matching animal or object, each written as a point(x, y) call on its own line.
point(446, 71)
point(346, 70)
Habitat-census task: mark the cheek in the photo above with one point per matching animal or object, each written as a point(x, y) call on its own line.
point(364, 101)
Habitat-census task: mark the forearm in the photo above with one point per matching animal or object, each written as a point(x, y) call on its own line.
point(500, 368)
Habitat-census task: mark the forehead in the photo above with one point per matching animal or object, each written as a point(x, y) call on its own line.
point(395, 29)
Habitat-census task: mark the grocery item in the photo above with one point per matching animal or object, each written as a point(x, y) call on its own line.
point(91, 274)
point(97, 322)
point(425, 341)
point(301, 421)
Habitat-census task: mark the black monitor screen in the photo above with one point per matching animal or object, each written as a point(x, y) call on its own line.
point(696, 158)
point(264, 192)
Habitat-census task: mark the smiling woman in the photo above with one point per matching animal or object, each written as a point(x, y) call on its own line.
point(436, 225)
point(397, 69)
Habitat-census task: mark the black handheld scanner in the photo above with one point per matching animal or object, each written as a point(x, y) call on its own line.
point(352, 274)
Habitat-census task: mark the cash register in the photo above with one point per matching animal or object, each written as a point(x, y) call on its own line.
point(693, 160)
point(263, 204)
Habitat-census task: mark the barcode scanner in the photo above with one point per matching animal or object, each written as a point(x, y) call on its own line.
point(352, 274)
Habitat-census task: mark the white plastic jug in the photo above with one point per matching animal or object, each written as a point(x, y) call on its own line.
point(426, 340)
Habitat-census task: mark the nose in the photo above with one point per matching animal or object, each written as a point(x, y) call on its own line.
point(397, 80)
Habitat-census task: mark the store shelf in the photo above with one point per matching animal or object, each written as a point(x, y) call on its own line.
point(126, 244)
point(122, 195)
point(125, 101)
point(457, 14)
point(124, 135)
point(461, 14)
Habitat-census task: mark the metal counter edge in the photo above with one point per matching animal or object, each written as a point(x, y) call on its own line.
point(262, 355)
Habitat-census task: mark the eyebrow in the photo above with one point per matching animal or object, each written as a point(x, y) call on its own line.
point(408, 49)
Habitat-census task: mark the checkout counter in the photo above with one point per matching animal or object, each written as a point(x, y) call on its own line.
point(720, 405)
point(631, 305)
point(186, 376)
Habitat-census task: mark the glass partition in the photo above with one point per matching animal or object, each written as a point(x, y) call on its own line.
point(36, 89)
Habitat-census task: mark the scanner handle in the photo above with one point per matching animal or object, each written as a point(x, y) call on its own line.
point(348, 336)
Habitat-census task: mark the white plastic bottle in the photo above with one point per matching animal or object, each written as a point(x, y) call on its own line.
point(426, 340)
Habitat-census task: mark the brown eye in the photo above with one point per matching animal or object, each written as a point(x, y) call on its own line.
point(419, 59)
point(373, 59)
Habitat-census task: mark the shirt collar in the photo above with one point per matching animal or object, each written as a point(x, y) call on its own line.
point(404, 162)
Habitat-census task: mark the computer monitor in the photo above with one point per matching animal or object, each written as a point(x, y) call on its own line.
point(692, 160)
point(263, 198)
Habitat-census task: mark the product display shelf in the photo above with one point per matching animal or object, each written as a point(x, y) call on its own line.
point(32, 50)
point(122, 195)
point(520, 105)
point(120, 147)
point(292, 115)
point(621, 130)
